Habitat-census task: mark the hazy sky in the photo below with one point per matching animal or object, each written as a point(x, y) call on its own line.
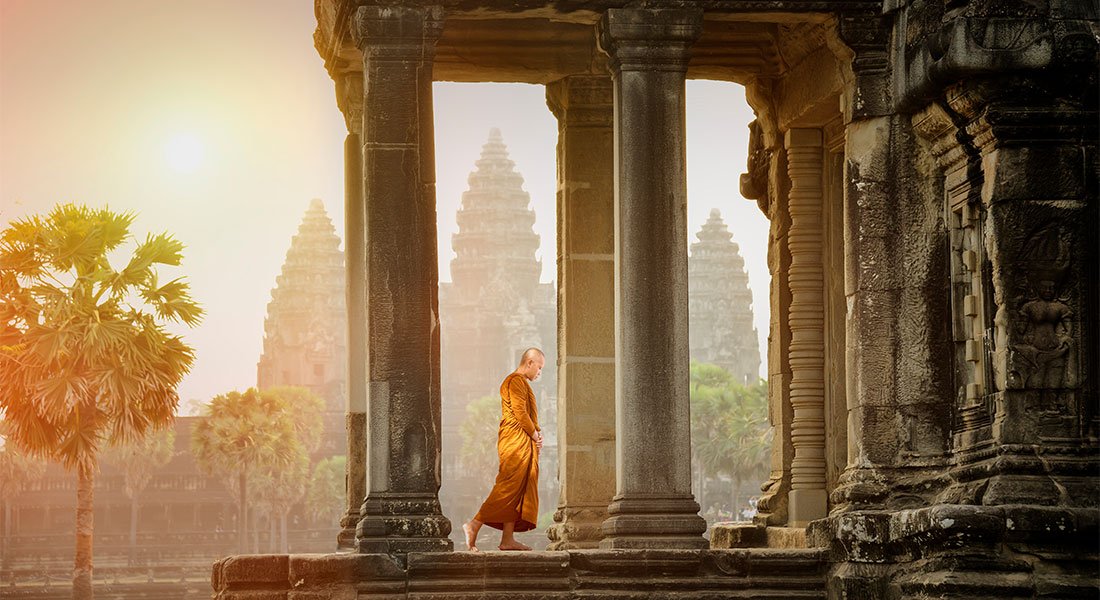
point(217, 122)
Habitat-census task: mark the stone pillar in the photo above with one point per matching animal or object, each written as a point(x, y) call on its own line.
point(1022, 222)
point(767, 183)
point(401, 513)
point(898, 366)
point(586, 309)
point(653, 506)
point(355, 263)
point(808, 499)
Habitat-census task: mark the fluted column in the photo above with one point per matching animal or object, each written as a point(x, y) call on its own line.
point(586, 309)
point(808, 500)
point(355, 263)
point(653, 506)
point(401, 513)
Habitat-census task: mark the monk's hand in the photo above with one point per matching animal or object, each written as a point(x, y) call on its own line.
point(538, 440)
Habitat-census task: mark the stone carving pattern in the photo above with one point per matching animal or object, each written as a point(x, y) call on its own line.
point(806, 317)
point(969, 315)
point(754, 181)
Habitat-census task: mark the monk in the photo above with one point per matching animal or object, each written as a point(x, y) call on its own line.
point(513, 505)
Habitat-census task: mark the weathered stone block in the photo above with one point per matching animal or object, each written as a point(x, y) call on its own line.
point(635, 562)
point(577, 528)
point(1006, 172)
point(881, 425)
point(316, 569)
point(251, 570)
point(473, 575)
point(589, 297)
point(737, 535)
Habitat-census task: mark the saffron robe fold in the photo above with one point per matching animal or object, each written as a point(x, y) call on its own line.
point(515, 495)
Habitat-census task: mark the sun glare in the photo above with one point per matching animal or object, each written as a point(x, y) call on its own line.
point(183, 153)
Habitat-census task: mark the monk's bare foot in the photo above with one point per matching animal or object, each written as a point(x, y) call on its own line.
point(471, 537)
point(513, 545)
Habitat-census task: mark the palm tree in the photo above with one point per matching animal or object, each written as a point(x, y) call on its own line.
point(731, 435)
point(326, 498)
point(243, 436)
point(16, 471)
point(747, 436)
point(279, 489)
point(84, 354)
point(709, 440)
point(138, 462)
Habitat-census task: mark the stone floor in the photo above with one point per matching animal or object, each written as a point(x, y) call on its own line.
point(620, 574)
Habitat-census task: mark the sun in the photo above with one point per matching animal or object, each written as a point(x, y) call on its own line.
point(183, 153)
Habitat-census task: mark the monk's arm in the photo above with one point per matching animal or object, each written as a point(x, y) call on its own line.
point(517, 397)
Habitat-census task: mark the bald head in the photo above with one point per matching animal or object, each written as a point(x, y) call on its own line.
point(531, 363)
point(531, 354)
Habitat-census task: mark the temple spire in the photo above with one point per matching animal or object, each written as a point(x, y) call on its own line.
point(722, 331)
point(304, 332)
point(495, 239)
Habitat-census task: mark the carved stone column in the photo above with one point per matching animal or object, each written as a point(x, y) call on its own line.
point(350, 95)
point(653, 506)
point(586, 309)
point(1024, 260)
point(767, 183)
point(808, 499)
point(401, 513)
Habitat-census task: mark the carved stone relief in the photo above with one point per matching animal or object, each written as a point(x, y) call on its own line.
point(1044, 326)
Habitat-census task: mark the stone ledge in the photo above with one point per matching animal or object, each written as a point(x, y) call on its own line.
point(573, 574)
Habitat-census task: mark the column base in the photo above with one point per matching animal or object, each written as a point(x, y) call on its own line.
point(402, 523)
point(355, 477)
point(345, 540)
point(576, 528)
point(1062, 473)
point(651, 523)
point(772, 507)
point(806, 506)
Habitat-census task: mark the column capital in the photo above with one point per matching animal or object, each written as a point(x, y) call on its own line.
point(645, 39)
point(582, 100)
point(399, 33)
point(804, 138)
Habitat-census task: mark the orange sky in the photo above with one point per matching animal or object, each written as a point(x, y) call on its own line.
point(91, 92)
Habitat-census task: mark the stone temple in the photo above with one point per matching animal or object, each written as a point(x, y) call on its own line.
point(493, 309)
point(929, 169)
point(720, 303)
point(305, 329)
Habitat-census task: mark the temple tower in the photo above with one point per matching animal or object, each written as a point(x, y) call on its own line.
point(304, 332)
point(720, 303)
point(495, 307)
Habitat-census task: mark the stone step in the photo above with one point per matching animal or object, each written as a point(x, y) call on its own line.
point(744, 534)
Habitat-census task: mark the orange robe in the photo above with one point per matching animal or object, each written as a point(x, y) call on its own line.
point(515, 495)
